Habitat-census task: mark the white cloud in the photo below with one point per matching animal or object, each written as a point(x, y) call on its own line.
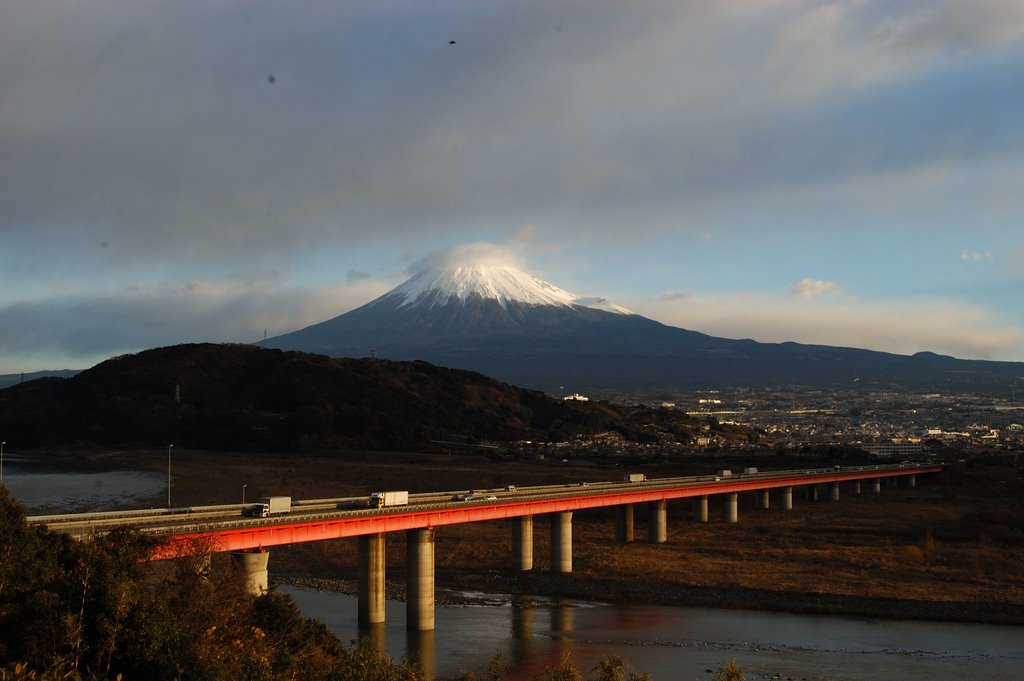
point(903, 327)
point(812, 288)
point(79, 331)
point(479, 253)
point(670, 296)
point(371, 129)
point(954, 24)
point(976, 256)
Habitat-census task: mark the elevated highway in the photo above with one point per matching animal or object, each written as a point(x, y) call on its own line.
point(223, 528)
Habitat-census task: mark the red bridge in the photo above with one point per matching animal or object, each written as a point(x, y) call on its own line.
point(221, 528)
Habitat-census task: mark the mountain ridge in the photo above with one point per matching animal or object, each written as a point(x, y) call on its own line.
point(563, 346)
point(244, 398)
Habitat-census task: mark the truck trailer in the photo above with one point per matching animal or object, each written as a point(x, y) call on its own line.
point(383, 499)
point(269, 506)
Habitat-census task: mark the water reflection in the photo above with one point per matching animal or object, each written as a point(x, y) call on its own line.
point(673, 642)
point(539, 635)
point(527, 645)
point(522, 633)
point(561, 618)
point(374, 636)
point(422, 649)
point(562, 645)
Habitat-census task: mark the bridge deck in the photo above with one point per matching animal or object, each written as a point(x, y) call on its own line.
point(238, 534)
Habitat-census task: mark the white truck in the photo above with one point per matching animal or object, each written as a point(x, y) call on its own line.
point(634, 477)
point(269, 506)
point(384, 499)
point(749, 470)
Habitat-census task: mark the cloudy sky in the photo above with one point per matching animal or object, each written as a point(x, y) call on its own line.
point(848, 173)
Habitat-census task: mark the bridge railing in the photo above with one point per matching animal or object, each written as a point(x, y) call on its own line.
point(215, 518)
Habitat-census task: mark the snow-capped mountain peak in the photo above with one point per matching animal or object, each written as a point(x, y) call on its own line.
point(503, 283)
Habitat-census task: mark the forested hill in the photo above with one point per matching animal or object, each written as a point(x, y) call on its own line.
point(240, 397)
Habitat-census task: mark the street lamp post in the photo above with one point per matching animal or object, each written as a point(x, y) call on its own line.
point(2, 443)
point(243, 494)
point(169, 448)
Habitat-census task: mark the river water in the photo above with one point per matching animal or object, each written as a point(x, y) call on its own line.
point(670, 643)
point(79, 492)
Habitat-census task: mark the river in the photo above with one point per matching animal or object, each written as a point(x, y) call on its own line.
point(669, 643)
point(63, 492)
point(673, 643)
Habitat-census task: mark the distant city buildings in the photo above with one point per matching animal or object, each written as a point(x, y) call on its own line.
point(903, 449)
point(800, 421)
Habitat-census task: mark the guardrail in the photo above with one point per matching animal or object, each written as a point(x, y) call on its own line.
point(224, 517)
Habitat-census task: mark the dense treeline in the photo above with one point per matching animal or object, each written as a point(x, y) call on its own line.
point(98, 610)
point(240, 397)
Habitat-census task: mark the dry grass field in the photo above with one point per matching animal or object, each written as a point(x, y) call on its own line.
point(950, 548)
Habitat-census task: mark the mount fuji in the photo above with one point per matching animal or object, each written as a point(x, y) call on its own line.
point(512, 326)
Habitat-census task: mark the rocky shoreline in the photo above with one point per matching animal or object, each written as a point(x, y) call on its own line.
point(547, 586)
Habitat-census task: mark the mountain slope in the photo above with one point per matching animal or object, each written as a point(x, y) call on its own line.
point(239, 397)
point(506, 324)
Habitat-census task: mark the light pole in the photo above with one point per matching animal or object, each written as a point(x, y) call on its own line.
point(169, 448)
point(243, 494)
point(2, 443)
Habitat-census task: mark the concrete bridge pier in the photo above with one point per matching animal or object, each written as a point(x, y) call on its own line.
point(833, 491)
point(561, 541)
point(876, 485)
point(370, 590)
point(761, 499)
point(657, 527)
point(911, 481)
point(855, 486)
point(730, 511)
point(700, 509)
point(624, 523)
point(253, 566)
point(786, 498)
point(419, 589)
point(812, 492)
point(522, 543)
